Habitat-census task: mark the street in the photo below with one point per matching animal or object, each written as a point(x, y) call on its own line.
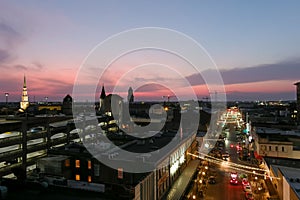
point(223, 189)
point(227, 159)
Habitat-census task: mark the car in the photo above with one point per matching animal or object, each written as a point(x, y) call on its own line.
point(225, 157)
point(247, 188)
point(212, 180)
point(233, 175)
point(36, 129)
point(260, 187)
point(234, 181)
point(245, 182)
point(249, 196)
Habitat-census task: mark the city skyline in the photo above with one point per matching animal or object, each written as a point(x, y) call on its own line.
point(255, 46)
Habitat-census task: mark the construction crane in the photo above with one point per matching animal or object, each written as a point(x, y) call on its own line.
point(168, 97)
point(216, 94)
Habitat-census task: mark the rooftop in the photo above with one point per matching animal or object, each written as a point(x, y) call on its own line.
point(149, 152)
point(283, 162)
point(292, 176)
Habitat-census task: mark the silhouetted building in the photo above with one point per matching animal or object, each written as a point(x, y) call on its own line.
point(113, 106)
point(130, 97)
point(101, 101)
point(67, 105)
point(298, 101)
point(24, 102)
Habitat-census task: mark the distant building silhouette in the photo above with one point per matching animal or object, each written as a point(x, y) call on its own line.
point(24, 102)
point(67, 105)
point(130, 97)
point(113, 105)
point(101, 101)
point(298, 101)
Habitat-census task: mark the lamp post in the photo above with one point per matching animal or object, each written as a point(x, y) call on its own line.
point(6, 97)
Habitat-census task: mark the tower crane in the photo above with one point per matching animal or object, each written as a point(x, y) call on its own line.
point(168, 97)
point(216, 94)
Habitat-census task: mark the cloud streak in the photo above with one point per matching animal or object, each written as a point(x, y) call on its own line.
point(4, 56)
point(9, 37)
point(285, 70)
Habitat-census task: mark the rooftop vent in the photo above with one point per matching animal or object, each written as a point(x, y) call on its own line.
point(291, 179)
point(297, 180)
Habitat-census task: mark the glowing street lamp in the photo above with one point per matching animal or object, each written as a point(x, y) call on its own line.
point(6, 97)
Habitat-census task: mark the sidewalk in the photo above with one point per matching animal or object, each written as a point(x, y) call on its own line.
point(271, 188)
point(259, 194)
point(179, 186)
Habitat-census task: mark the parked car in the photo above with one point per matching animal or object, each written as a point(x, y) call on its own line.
point(247, 188)
point(36, 129)
point(212, 180)
point(249, 196)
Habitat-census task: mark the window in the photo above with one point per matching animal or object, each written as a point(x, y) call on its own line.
point(270, 148)
point(276, 148)
point(120, 173)
point(77, 163)
point(96, 170)
point(67, 163)
point(77, 177)
point(282, 148)
point(89, 164)
point(89, 179)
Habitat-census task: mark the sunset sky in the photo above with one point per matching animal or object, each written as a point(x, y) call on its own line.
point(255, 46)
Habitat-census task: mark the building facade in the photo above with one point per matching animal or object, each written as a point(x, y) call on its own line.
point(73, 166)
point(276, 143)
point(298, 101)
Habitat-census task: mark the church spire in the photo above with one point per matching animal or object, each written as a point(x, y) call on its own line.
point(24, 85)
point(102, 95)
point(24, 102)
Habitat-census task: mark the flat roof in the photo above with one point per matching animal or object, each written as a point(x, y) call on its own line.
point(297, 83)
point(149, 154)
point(284, 162)
point(292, 175)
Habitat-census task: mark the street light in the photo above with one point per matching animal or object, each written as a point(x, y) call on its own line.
point(6, 97)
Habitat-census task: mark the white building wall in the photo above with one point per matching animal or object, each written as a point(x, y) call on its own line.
point(286, 190)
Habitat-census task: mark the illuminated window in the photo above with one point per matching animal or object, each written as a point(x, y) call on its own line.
point(67, 163)
point(77, 163)
point(77, 177)
point(89, 164)
point(89, 179)
point(120, 173)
